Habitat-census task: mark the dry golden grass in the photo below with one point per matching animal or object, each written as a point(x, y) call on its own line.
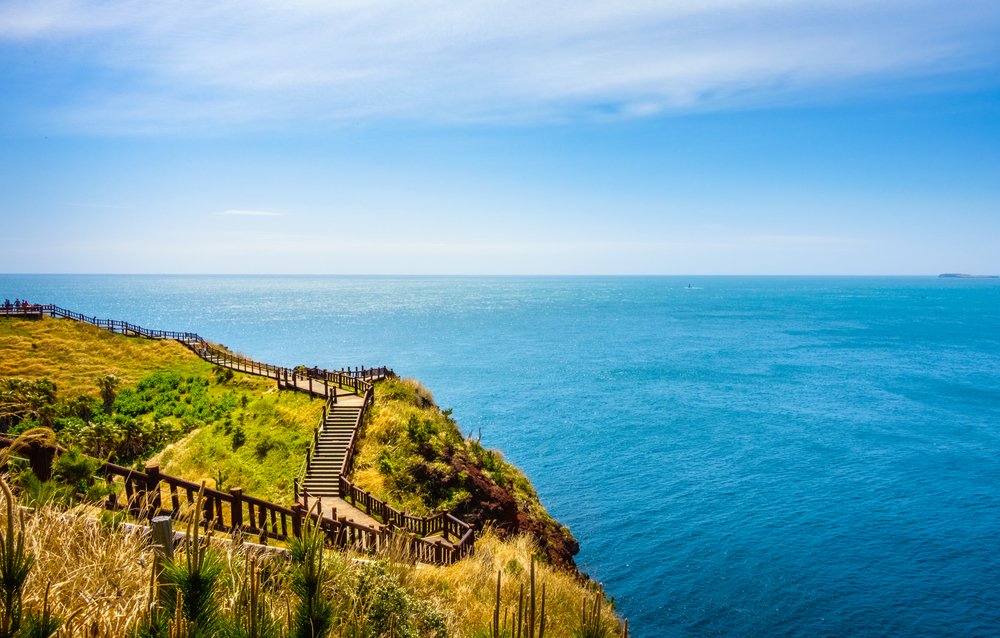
point(99, 577)
point(387, 424)
point(466, 591)
point(100, 574)
point(74, 354)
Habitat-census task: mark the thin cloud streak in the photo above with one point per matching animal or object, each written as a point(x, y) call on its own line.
point(184, 64)
point(252, 213)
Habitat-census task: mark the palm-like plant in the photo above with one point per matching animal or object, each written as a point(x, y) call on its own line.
point(313, 615)
point(15, 565)
point(108, 385)
point(251, 616)
point(32, 399)
point(191, 586)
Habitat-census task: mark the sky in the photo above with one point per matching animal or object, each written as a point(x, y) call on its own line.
point(738, 137)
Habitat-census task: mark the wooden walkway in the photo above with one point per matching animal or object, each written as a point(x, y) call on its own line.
point(322, 478)
point(348, 394)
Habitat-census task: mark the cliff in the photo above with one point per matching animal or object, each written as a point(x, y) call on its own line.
point(949, 275)
point(414, 456)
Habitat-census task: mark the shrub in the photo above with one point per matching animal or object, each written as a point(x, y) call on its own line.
point(222, 375)
point(192, 585)
point(37, 494)
point(420, 430)
point(387, 607)
point(264, 445)
point(130, 403)
point(239, 437)
point(15, 565)
point(74, 468)
point(161, 381)
point(313, 614)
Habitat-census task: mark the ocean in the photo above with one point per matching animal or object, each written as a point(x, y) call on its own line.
point(747, 456)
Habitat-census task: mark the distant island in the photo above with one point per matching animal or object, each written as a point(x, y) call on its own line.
point(951, 275)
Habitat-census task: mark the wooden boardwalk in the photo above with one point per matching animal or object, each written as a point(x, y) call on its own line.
point(348, 394)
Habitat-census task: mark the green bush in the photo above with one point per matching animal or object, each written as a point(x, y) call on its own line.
point(131, 403)
point(161, 381)
point(239, 437)
point(74, 468)
point(420, 430)
point(385, 602)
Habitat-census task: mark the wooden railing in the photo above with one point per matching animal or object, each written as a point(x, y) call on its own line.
point(151, 493)
point(303, 379)
point(442, 523)
point(143, 491)
point(352, 444)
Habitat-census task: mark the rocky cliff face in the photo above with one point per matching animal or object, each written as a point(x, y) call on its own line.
point(414, 456)
point(491, 504)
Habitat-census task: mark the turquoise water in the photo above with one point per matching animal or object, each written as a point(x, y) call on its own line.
point(774, 456)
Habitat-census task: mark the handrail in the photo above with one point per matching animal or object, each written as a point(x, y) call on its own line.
point(357, 379)
point(306, 463)
point(150, 493)
point(258, 511)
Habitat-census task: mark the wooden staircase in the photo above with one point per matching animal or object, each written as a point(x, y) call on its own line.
point(323, 477)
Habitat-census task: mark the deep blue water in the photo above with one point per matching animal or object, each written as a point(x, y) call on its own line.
point(756, 456)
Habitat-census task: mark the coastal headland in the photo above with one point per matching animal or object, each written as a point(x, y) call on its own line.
point(205, 415)
point(950, 275)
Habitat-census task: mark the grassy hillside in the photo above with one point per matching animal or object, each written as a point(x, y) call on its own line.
point(170, 407)
point(74, 354)
point(98, 576)
point(413, 455)
point(198, 422)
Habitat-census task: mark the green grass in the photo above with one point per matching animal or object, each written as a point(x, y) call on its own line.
point(74, 354)
point(235, 427)
point(277, 427)
point(414, 457)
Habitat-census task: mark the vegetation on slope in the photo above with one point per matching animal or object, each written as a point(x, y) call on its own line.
point(97, 581)
point(72, 355)
point(167, 406)
point(412, 455)
point(98, 576)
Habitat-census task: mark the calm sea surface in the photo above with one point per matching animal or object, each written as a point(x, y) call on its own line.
point(767, 456)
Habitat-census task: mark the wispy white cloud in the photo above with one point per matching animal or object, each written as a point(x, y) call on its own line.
point(253, 213)
point(239, 61)
point(800, 240)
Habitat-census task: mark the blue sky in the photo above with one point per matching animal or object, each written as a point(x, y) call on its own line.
point(436, 137)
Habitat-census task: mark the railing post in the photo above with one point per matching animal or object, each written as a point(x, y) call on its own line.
point(153, 488)
point(40, 459)
point(297, 520)
point(236, 513)
point(162, 530)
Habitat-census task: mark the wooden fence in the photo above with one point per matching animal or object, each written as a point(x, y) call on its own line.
point(358, 379)
point(151, 493)
point(234, 512)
